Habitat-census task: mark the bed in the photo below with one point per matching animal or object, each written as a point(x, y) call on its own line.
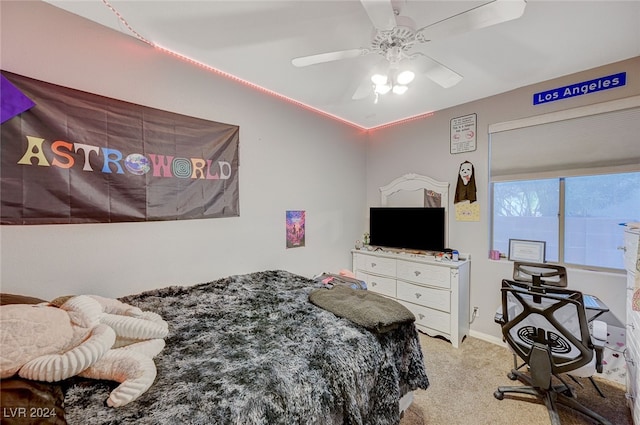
point(252, 349)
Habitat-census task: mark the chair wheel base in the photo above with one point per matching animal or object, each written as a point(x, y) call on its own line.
point(512, 376)
point(499, 395)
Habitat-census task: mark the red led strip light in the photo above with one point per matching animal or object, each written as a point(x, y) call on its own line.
point(255, 86)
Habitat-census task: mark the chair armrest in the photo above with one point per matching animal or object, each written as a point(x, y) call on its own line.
point(599, 339)
point(599, 349)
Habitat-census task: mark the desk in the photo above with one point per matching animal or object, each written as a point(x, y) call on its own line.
point(593, 305)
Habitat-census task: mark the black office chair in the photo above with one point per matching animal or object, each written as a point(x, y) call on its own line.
point(547, 328)
point(540, 274)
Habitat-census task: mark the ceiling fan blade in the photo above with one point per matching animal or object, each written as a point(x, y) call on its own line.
point(380, 13)
point(489, 14)
point(328, 57)
point(435, 71)
point(364, 90)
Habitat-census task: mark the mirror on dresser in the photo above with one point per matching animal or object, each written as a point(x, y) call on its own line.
point(414, 190)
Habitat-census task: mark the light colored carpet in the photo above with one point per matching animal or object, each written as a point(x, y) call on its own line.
point(463, 381)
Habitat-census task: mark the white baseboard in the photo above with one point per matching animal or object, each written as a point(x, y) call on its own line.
point(486, 337)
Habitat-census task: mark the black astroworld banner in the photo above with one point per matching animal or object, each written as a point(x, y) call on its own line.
point(76, 157)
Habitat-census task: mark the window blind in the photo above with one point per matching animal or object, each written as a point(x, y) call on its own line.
point(590, 140)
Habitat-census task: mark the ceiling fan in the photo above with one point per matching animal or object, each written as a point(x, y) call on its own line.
point(395, 35)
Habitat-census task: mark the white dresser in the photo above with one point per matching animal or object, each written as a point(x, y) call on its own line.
point(436, 292)
point(632, 352)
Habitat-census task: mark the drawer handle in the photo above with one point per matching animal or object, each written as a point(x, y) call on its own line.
point(418, 294)
point(417, 273)
point(374, 283)
point(632, 326)
point(623, 248)
point(373, 264)
point(421, 316)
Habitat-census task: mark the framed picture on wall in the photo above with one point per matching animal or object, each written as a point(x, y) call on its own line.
point(463, 134)
point(529, 251)
point(295, 223)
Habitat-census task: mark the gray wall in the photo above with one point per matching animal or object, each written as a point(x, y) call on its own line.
point(290, 159)
point(423, 147)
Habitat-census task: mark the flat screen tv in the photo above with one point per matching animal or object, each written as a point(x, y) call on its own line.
point(415, 228)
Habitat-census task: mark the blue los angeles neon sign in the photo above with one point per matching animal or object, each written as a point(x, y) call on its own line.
point(579, 89)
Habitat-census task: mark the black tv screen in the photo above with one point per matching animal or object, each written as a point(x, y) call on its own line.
point(414, 228)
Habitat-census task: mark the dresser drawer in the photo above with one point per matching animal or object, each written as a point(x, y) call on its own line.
point(439, 299)
point(632, 360)
point(631, 314)
point(631, 279)
point(429, 318)
point(378, 265)
point(378, 284)
point(630, 250)
point(424, 273)
point(633, 330)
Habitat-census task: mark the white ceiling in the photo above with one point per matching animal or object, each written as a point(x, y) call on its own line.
point(256, 40)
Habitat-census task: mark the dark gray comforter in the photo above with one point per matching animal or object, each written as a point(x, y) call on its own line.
point(252, 349)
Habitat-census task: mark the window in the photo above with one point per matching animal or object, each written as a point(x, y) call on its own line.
point(594, 208)
point(526, 209)
point(568, 178)
point(578, 217)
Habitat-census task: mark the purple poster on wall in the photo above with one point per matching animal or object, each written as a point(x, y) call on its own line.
point(295, 229)
point(77, 157)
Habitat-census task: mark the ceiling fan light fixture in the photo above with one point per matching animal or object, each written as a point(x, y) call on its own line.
point(379, 79)
point(405, 77)
point(399, 89)
point(382, 88)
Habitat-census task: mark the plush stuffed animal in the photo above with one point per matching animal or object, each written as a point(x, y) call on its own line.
point(85, 335)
